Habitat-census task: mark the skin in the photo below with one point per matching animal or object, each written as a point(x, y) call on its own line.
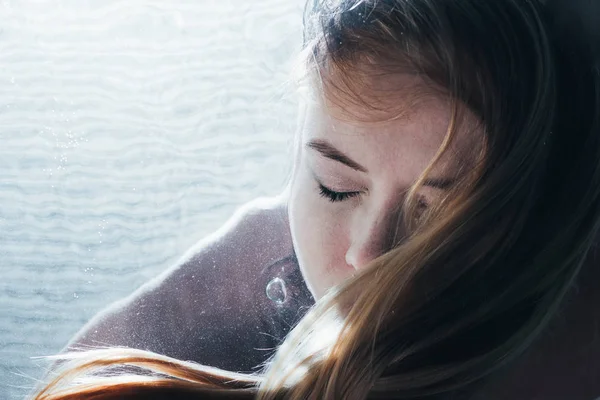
point(373, 158)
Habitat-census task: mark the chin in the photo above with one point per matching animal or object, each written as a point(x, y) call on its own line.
point(319, 282)
point(320, 290)
point(316, 287)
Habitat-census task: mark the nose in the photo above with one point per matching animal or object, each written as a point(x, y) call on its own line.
point(372, 236)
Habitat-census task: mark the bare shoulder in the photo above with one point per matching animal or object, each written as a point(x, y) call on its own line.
point(213, 282)
point(256, 234)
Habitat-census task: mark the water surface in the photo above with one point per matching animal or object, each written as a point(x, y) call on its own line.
point(128, 131)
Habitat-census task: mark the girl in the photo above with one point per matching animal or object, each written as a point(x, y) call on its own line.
point(443, 204)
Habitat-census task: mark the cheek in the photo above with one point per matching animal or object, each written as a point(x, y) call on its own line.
point(312, 221)
point(319, 233)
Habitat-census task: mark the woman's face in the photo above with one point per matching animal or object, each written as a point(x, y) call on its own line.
point(351, 175)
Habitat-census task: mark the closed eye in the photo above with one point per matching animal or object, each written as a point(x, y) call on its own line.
point(422, 204)
point(334, 196)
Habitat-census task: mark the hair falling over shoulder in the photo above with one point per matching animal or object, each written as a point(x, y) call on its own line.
point(117, 373)
point(480, 276)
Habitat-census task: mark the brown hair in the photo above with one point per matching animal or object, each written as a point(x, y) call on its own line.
point(480, 278)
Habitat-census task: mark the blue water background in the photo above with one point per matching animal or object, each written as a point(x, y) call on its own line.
point(129, 129)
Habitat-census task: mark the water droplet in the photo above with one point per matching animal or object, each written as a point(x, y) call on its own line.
point(75, 296)
point(276, 291)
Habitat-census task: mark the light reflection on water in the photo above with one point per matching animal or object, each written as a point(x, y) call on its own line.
point(129, 130)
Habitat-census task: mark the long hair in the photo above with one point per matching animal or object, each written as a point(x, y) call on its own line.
point(482, 274)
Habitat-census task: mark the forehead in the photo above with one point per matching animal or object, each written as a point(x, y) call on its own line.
point(395, 126)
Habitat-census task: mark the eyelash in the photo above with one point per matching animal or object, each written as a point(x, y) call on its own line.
point(335, 197)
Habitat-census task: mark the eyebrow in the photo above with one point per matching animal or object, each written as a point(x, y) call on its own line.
point(326, 149)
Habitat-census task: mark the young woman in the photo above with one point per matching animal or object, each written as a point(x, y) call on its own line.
point(444, 201)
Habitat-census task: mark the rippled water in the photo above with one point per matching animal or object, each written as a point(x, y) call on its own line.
point(129, 129)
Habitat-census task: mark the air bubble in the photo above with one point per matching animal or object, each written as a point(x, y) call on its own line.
point(276, 291)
